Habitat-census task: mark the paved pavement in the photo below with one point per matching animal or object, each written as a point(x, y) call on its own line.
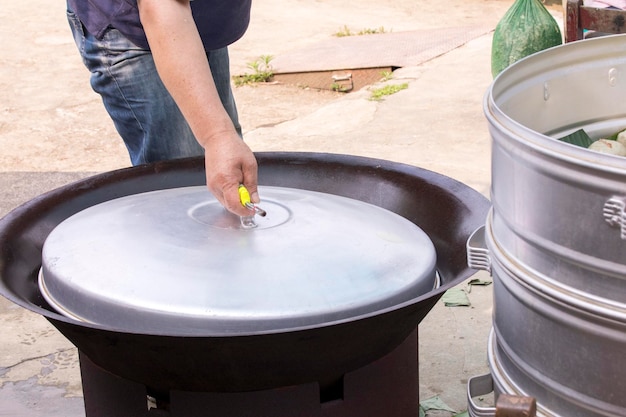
point(53, 131)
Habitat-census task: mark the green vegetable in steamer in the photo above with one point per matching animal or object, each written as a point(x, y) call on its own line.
point(614, 144)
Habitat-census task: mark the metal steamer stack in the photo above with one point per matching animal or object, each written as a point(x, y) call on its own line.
point(554, 240)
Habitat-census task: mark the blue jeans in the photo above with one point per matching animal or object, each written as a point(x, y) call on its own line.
point(144, 113)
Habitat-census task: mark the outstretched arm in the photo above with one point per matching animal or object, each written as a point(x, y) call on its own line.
point(184, 69)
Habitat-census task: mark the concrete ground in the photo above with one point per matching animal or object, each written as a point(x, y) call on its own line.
point(53, 130)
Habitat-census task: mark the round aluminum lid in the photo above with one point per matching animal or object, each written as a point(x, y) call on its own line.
point(175, 262)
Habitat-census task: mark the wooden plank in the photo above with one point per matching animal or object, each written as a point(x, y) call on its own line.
point(579, 17)
point(603, 20)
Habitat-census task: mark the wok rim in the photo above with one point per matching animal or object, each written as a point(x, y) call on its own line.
point(295, 157)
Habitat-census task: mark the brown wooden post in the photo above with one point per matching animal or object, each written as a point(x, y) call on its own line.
point(573, 30)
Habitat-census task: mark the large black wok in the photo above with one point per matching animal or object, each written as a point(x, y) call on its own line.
point(448, 211)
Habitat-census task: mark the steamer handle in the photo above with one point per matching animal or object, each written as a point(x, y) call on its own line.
point(506, 405)
point(614, 212)
point(478, 256)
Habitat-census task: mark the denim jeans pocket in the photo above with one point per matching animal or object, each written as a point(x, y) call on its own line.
point(78, 30)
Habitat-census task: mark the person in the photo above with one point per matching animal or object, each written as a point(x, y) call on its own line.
point(162, 70)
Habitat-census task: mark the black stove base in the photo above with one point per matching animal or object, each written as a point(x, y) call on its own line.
point(387, 387)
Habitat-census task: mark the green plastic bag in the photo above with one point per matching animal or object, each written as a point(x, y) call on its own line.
point(527, 27)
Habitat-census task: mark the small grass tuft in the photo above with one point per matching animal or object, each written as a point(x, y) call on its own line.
point(345, 31)
point(379, 93)
point(372, 31)
point(262, 72)
point(386, 76)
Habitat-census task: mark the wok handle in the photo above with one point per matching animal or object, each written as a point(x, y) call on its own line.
point(478, 256)
point(506, 405)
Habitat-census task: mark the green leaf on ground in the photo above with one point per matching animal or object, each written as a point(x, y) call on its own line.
point(477, 281)
point(435, 403)
point(455, 297)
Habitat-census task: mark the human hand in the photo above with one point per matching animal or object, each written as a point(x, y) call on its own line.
point(229, 162)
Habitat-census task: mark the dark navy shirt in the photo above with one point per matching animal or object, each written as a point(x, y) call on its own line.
point(219, 22)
